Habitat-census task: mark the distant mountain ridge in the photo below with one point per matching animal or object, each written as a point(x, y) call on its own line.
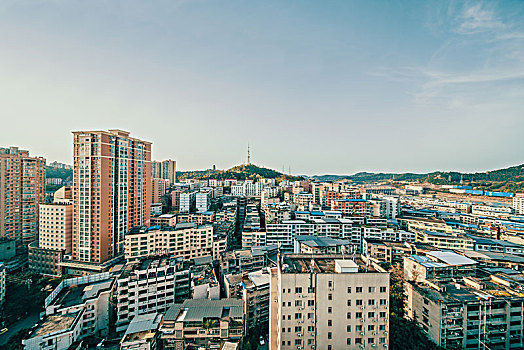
point(238, 172)
point(506, 179)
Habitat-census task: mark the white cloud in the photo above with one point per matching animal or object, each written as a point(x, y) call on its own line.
point(477, 18)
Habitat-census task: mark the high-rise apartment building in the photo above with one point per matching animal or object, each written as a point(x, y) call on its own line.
point(324, 302)
point(112, 191)
point(518, 203)
point(159, 189)
point(164, 170)
point(22, 188)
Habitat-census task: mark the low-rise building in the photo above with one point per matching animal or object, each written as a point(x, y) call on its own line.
point(321, 245)
point(438, 265)
point(142, 333)
point(205, 324)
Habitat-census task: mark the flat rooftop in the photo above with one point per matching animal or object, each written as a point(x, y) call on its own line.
point(77, 294)
point(308, 263)
point(55, 323)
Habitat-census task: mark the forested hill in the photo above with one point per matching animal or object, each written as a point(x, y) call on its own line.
point(507, 179)
point(239, 172)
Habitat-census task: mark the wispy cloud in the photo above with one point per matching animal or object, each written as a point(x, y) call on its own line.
point(477, 18)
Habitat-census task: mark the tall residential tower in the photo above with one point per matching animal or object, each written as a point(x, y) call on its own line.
point(22, 188)
point(112, 191)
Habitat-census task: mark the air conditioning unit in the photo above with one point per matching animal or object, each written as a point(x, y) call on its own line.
point(361, 333)
point(373, 346)
point(362, 346)
point(385, 345)
point(386, 332)
point(374, 333)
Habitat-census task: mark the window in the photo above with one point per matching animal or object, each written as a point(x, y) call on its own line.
point(358, 315)
point(311, 289)
point(358, 340)
point(348, 328)
point(298, 316)
point(349, 289)
point(310, 316)
point(382, 340)
point(371, 327)
point(298, 290)
point(371, 289)
point(310, 328)
point(382, 327)
point(359, 302)
point(371, 302)
point(298, 302)
point(348, 341)
point(283, 330)
point(330, 284)
point(348, 315)
point(330, 323)
point(310, 303)
point(330, 335)
point(371, 340)
point(298, 341)
point(358, 328)
point(330, 296)
point(298, 329)
point(358, 290)
point(382, 314)
point(330, 310)
point(371, 314)
point(383, 289)
point(349, 302)
point(383, 301)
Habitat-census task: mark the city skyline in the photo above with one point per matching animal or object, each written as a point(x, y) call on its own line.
point(322, 88)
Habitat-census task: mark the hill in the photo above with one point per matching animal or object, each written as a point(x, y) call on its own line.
point(239, 172)
point(509, 179)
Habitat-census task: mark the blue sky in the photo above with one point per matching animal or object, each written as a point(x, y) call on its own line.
point(315, 86)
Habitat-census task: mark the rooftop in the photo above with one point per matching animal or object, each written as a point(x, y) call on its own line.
point(55, 323)
point(142, 327)
point(77, 294)
point(195, 310)
point(310, 263)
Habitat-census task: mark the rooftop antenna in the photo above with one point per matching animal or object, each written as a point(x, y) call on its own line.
point(248, 155)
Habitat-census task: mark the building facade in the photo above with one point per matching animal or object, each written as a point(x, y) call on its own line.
point(112, 192)
point(22, 188)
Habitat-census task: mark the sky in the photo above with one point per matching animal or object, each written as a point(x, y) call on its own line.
point(315, 87)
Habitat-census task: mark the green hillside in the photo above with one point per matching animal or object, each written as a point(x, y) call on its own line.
point(508, 179)
point(239, 172)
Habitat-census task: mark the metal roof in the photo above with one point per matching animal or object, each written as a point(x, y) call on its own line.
point(142, 323)
point(451, 258)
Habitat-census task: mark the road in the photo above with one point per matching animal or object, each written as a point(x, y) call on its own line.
point(26, 322)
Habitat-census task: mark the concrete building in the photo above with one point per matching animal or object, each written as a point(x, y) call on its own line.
point(169, 171)
point(56, 226)
point(142, 333)
point(321, 245)
point(438, 265)
point(518, 203)
point(253, 289)
point(203, 199)
point(203, 324)
point(112, 192)
point(324, 302)
point(150, 286)
point(159, 189)
point(185, 240)
point(22, 188)
point(353, 207)
point(187, 201)
point(470, 312)
point(77, 308)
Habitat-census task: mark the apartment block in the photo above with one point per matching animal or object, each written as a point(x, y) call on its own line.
point(470, 312)
point(112, 192)
point(142, 333)
point(159, 189)
point(187, 201)
point(203, 199)
point(185, 240)
point(22, 188)
point(353, 207)
point(518, 203)
point(150, 286)
point(325, 302)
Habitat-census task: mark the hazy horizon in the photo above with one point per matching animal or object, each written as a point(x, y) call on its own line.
point(319, 87)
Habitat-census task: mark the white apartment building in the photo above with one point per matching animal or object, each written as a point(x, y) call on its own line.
point(151, 285)
point(203, 199)
point(187, 199)
point(322, 302)
point(518, 203)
